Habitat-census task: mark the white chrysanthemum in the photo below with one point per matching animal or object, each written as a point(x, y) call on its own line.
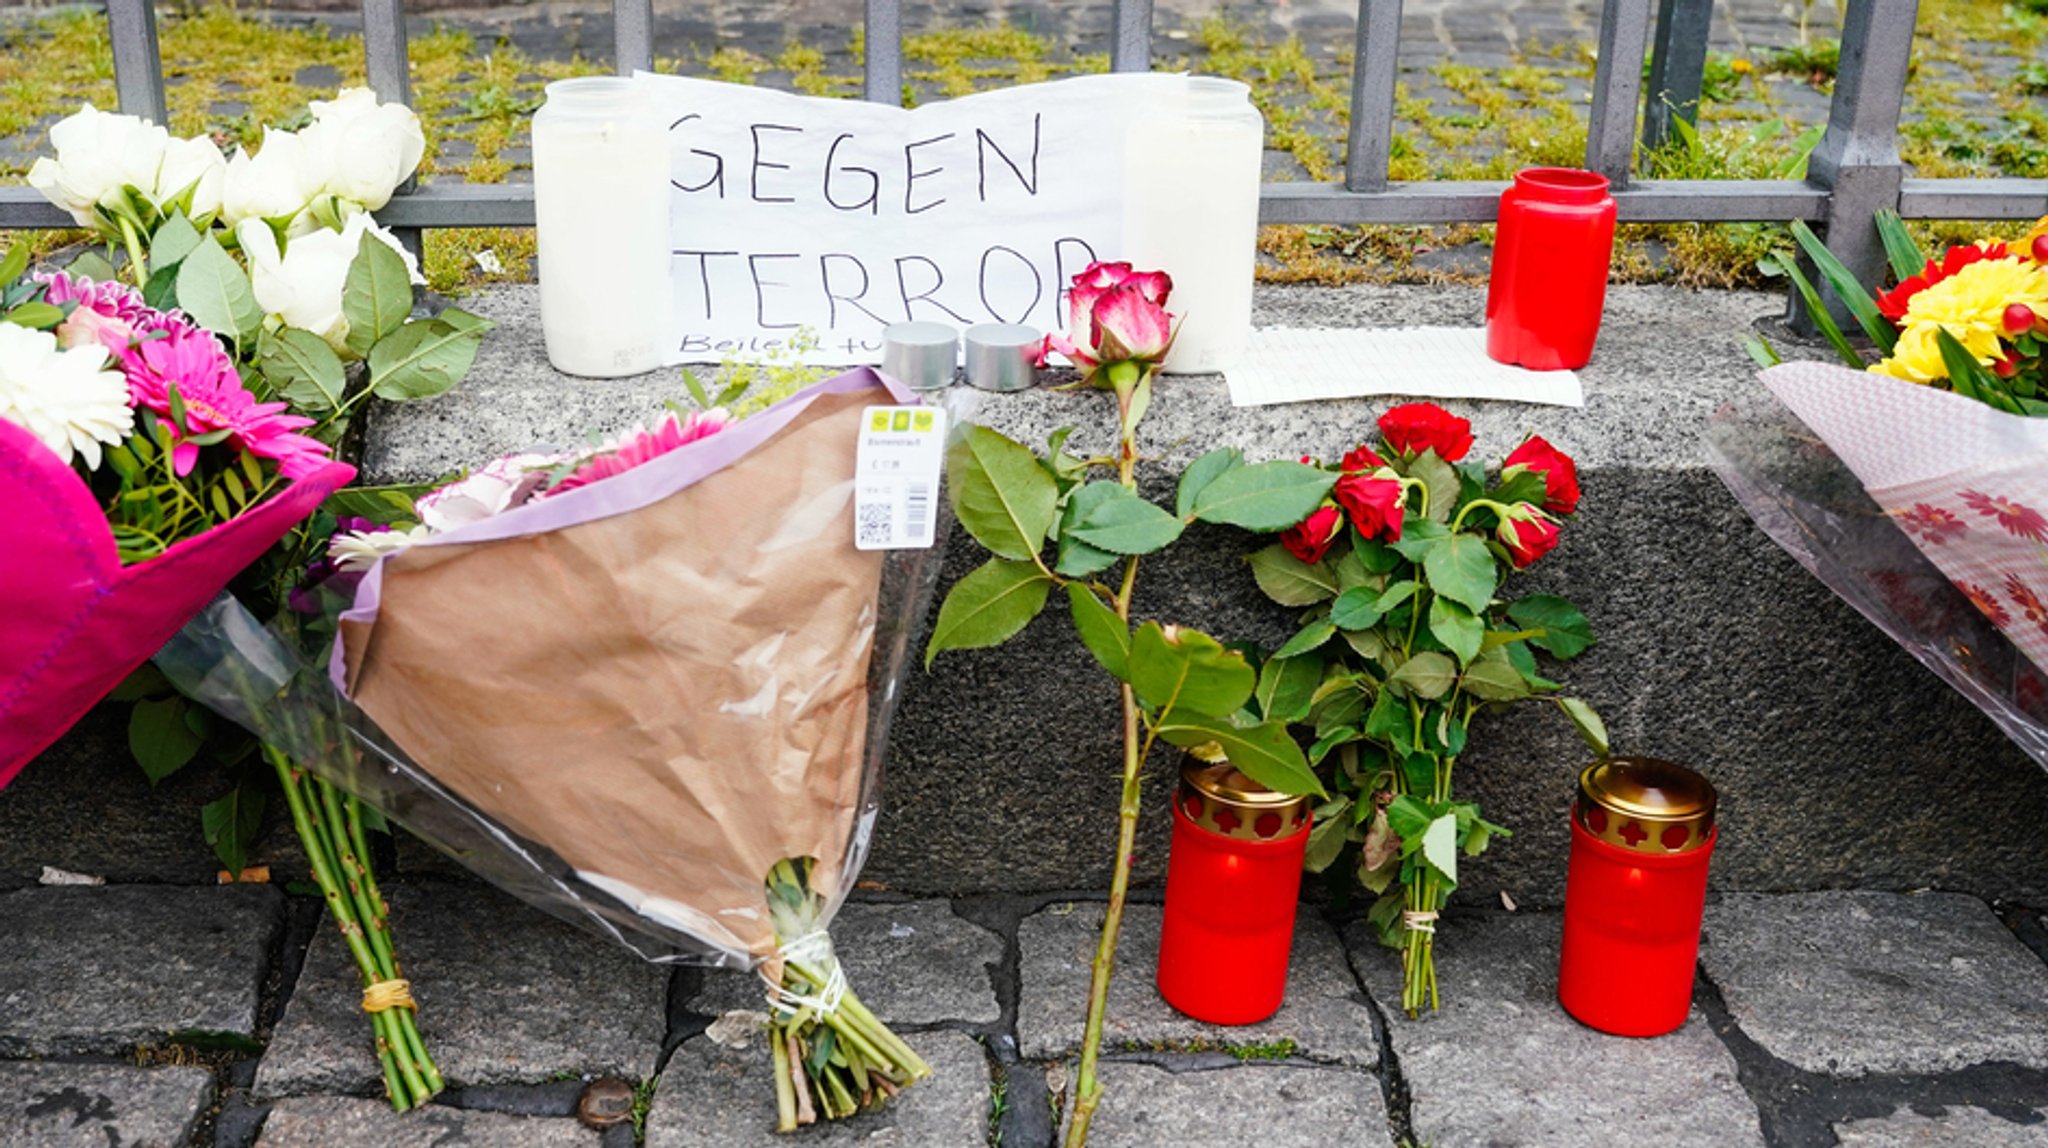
point(67, 399)
point(359, 550)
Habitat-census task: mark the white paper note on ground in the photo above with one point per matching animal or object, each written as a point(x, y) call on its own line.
point(1291, 365)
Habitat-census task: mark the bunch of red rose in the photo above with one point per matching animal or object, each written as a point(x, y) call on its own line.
point(1376, 494)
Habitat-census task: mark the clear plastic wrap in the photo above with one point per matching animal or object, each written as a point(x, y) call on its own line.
point(627, 709)
point(1788, 475)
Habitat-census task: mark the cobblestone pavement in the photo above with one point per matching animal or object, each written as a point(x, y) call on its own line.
point(176, 1016)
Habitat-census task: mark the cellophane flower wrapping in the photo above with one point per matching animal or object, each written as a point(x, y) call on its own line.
point(625, 703)
point(1920, 508)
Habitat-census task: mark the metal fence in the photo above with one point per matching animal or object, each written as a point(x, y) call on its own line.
point(1854, 171)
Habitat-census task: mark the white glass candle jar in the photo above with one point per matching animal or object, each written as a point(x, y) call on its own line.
point(601, 200)
point(1191, 209)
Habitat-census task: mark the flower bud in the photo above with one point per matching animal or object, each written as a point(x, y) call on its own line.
point(2019, 319)
point(2041, 249)
point(2005, 367)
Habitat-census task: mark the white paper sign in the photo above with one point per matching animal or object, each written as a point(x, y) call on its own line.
point(1289, 365)
point(841, 216)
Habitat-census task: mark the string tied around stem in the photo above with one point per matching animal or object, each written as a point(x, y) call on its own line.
point(814, 949)
point(1419, 920)
point(386, 995)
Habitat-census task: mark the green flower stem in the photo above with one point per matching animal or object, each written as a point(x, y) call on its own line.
point(1476, 504)
point(138, 264)
point(1127, 378)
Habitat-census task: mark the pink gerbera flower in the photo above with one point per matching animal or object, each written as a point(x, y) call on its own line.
point(2020, 521)
point(192, 360)
point(1986, 602)
point(641, 445)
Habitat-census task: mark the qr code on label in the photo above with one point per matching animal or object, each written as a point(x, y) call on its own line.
point(874, 526)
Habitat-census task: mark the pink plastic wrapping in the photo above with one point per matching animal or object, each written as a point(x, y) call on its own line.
point(626, 702)
point(76, 621)
point(1897, 497)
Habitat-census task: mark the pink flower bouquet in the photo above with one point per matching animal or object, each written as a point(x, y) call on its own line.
point(137, 476)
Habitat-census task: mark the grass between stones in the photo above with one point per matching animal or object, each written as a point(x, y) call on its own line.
point(1974, 107)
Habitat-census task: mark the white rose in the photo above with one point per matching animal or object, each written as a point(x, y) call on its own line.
point(196, 164)
point(303, 285)
point(276, 183)
point(373, 147)
point(97, 154)
point(68, 399)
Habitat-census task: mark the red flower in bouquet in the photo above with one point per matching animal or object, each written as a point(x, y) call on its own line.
point(1560, 474)
point(1893, 303)
point(1114, 315)
point(1986, 602)
point(1412, 428)
point(1527, 539)
point(2019, 521)
point(1375, 505)
point(1312, 537)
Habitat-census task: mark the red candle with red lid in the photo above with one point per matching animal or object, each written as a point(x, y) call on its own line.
point(1642, 834)
point(1232, 883)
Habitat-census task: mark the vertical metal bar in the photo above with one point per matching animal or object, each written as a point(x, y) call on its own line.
point(884, 52)
point(385, 61)
point(1678, 65)
point(138, 69)
point(1857, 160)
point(632, 36)
point(1374, 65)
point(1617, 89)
point(1131, 50)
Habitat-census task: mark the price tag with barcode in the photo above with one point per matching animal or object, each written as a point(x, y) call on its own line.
point(896, 487)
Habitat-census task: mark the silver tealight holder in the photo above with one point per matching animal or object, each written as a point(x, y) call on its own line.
point(921, 355)
point(1003, 356)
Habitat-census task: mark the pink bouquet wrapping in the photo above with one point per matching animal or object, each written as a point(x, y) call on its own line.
point(77, 621)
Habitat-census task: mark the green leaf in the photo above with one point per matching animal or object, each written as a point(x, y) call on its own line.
point(214, 290)
point(1816, 310)
point(421, 360)
point(1114, 518)
point(1440, 846)
point(696, 388)
point(1326, 840)
point(1310, 637)
point(1518, 656)
point(1287, 686)
point(1566, 633)
point(1525, 486)
point(1588, 723)
point(377, 295)
point(94, 266)
point(1969, 376)
point(1290, 581)
point(1409, 817)
point(15, 264)
point(1457, 628)
point(172, 242)
point(1905, 256)
point(159, 738)
point(1420, 537)
point(1264, 752)
point(988, 607)
point(303, 369)
point(1847, 287)
point(1441, 479)
point(1188, 673)
point(1760, 352)
point(1463, 570)
point(1105, 634)
point(1000, 493)
point(231, 825)
point(1390, 722)
point(1200, 473)
point(1426, 675)
point(37, 315)
point(1265, 496)
point(1079, 560)
point(1358, 609)
point(1494, 678)
point(145, 681)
